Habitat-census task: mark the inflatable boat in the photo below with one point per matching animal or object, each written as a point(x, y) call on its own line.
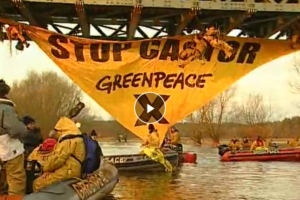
point(95, 186)
point(141, 162)
point(273, 154)
point(184, 156)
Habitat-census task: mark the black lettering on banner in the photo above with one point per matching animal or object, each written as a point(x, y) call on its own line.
point(104, 56)
point(151, 49)
point(109, 84)
point(222, 56)
point(78, 48)
point(61, 53)
point(143, 100)
point(248, 53)
point(118, 48)
point(170, 49)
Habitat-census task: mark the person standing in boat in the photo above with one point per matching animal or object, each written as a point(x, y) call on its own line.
point(234, 144)
point(258, 144)
point(11, 148)
point(33, 137)
point(67, 157)
point(175, 139)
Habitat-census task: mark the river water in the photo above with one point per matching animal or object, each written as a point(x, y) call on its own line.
point(210, 179)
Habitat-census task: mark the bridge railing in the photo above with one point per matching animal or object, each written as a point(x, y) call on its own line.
point(243, 5)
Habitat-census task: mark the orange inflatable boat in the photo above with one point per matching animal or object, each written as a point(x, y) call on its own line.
point(284, 154)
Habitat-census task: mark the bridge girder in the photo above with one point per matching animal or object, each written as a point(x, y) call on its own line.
point(281, 25)
point(185, 20)
point(134, 21)
point(236, 20)
point(25, 12)
point(83, 20)
point(161, 19)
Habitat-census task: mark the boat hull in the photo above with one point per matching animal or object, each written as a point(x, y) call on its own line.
point(287, 154)
point(95, 187)
point(140, 162)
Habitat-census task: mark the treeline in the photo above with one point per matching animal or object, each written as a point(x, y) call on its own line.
point(289, 127)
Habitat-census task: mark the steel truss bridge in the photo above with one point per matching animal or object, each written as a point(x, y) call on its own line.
point(256, 18)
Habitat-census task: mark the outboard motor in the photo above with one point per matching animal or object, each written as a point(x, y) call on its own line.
point(33, 170)
point(223, 149)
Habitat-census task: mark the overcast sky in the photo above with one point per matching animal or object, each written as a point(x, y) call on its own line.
point(271, 79)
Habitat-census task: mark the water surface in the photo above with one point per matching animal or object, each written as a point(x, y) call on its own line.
point(210, 179)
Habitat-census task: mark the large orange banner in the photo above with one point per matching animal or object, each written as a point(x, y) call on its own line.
point(187, 71)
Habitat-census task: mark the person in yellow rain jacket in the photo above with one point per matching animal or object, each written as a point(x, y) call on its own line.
point(152, 150)
point(294, 143)
point(175, 138)
point(152, 140)
point(42, 152)
point(258, 144)
point(65, 160)
point(234, 144)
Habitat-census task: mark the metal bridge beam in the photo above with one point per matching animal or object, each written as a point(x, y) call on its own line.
point(281, 24)
point(25, 12)
point(185, 20)
point(83, 21)
point(134, 21)
point(235, 21)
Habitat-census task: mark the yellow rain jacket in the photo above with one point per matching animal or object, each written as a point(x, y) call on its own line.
point(151, 149)
point(235, 145)
point(158, 156)
point(175, 138)
point(152, 140)
point(40, 156)
point(294, 143)
point(62, 163)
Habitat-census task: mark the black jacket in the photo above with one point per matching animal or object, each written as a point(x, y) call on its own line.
point(32, 140)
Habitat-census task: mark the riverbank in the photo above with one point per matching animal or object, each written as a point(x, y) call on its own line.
point(188, 141)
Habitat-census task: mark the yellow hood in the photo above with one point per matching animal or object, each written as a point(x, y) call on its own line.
point(66, 126)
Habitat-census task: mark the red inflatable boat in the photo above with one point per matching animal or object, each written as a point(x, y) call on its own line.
point(284, 154)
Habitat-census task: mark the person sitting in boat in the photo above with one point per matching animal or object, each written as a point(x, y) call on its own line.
point(66, 159)
point(246, 142)
point(33, 137)
point(39, 155)
point(42, 152)
point(152, 150)
point(294, 143)
point(166, 142)
point(271, 143)
point(11, 149)
point(234, 144)
point(258, 144)
point(175, 138)
point(152, 140)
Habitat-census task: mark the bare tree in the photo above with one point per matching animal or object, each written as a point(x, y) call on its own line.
point(210, 118)
point(217, 113)
point(256, 113)
point(295, 80)
point(46, 97)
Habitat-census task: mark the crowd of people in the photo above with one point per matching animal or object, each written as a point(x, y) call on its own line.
point(65, 154)
point(258, 144)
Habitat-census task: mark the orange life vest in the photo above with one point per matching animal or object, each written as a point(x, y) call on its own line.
point(259, 143)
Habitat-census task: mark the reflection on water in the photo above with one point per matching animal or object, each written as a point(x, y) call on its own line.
point(209, 179)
